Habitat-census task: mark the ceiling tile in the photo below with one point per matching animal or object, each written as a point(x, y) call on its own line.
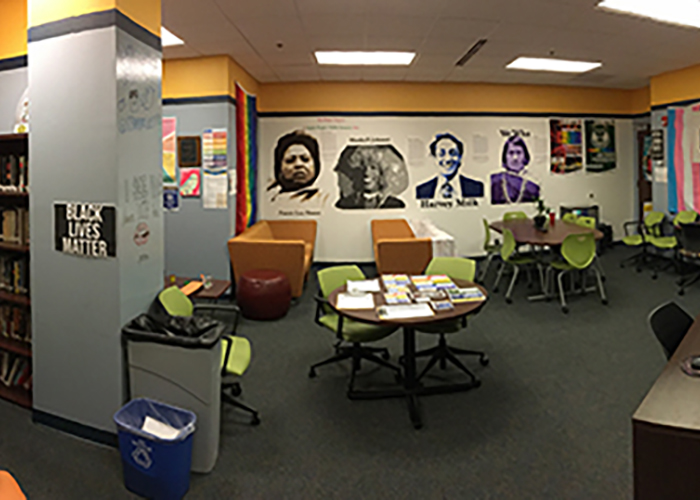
point(350, 7)
point(330, 42)
point(398, 26)
point(336, 25)
point(393, 43)
point(416, 8)
point(255, 8)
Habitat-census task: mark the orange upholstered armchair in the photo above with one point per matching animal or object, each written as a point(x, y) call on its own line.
point(396, 248)
point(282, 245)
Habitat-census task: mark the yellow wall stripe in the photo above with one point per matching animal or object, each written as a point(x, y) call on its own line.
point(13, 28)
point(675, 86)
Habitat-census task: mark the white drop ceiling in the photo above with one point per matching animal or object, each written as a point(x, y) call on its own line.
point(440, 31)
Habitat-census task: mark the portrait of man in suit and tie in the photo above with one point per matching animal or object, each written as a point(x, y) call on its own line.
point(449, 183)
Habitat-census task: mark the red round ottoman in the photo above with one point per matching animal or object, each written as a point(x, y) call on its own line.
point(263, 294)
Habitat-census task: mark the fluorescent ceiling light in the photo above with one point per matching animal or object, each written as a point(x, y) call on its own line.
point(167, 39)
point(548, 64)
point(685, 12)
point(372, 58)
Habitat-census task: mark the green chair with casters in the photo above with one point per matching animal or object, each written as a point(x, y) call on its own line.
point(590, 223)
point(569, 217)
point(455, 268)
point(235, 352)
point(511, 259)
point(640, 239)
point(350, 335)
point(491, 249)
point(578, 252)
point(663, 243)
point(516, 215)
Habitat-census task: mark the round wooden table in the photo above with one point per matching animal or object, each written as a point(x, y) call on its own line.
point(525, 233)
point(411, 388)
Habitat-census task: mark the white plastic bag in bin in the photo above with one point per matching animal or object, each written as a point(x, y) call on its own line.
point(155, 421)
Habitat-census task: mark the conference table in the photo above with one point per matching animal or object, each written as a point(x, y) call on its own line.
point(666, 430)
point(411, 388)
point(525, 233)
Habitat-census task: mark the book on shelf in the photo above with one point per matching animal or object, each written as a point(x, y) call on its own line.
point(13, 173)
point(15, 225)
point(14, 274)
point(15, 370)
point(15, 322)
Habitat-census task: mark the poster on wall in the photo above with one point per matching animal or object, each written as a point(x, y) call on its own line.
point(169, 144)
point(171, 198)
point(657, 145)
point(297, 166)
point(647, 164)
point(215, 189)
point(449, 183)
point(566, 147)
point(370, 176)
point(600, 145)
point(214, 169)
point(85, 229)
point(190, 182)
point(512, 185)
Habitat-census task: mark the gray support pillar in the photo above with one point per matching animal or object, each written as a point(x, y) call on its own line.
point(95, 136)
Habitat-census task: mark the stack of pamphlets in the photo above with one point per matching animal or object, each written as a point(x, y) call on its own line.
point(463, 295)
point(442, 305)
point(396, 283)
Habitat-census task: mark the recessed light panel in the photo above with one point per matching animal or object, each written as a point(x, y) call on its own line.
point(548, 64)
point(369, 58)
point(167, 39)
point(684, 12)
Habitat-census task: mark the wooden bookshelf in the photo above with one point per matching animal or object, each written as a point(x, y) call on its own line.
point(15, 307)
point(16, 346)
point(16, 394)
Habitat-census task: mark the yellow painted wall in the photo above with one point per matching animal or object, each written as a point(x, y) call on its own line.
point(204, 77)
point(146, 13)
point(674, 86)
point(446, 97)
point(13, 28)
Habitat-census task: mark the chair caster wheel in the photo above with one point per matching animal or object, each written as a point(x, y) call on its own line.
point(681, 292)
point(622, 266)
point(639, 269)
point(402, 360)
point(255, 420)
point(509, 301)
point(654, 276)
point(603, 278)
point(477, 383)
point(312, 373)
point(495, 290)
point(484, 360)
point(605, 302)
point(236, 389)
point(385, 355)
point(565, 310)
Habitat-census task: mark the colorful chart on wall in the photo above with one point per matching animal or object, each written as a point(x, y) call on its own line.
point(190, 182)
point(600, 145)
point(566, 146)
point(169, 145)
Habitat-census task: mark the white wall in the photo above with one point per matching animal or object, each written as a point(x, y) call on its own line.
point(344, 235)
point(13, 83)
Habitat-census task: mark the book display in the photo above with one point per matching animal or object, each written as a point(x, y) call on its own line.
point(15, 313)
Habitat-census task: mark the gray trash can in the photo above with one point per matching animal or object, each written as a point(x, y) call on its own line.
point(181, 371)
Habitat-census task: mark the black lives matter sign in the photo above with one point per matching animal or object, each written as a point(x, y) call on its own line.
point(85, 229)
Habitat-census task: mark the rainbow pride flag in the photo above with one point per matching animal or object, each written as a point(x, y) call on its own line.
point(246, 159)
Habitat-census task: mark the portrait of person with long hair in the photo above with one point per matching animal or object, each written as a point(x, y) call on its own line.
point(511, 186)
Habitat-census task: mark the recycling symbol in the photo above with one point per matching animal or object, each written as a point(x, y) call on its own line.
point(141, 454)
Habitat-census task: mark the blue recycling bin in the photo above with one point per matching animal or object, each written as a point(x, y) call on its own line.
point(156, 466)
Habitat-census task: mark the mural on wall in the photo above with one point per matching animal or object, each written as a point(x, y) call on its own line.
point(371, 176)
point(512, 186)
point(566, 148)
point(448, 152)
point(600, 145)
point(296, 168)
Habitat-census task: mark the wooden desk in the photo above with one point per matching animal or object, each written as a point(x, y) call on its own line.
point(215, 292)
point(666, 430)
point(524, 231)
point(411, 387)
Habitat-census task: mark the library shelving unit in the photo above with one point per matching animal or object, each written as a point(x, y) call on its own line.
point(15, 302)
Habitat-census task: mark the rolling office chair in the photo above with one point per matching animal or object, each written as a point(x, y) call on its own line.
point(570, 217)
point(662, 243)
point(590, 223)
point(515, 215)
point(346, 330)
point(650, 226)
point(235, 353)
point(670, 323)
point(456, 268)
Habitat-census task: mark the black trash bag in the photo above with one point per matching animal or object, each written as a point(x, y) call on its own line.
point(180, 326)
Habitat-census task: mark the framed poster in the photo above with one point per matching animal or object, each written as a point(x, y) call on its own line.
point(189, 151)
point(85, 229)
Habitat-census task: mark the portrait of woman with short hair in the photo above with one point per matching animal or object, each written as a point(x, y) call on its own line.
point(297, 165)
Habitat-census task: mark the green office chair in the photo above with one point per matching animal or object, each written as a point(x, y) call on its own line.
point(491, 249)
point(455, 268)
point(517, 215)
point(569, 217)
point(235, 352)
point(510, 258)
point(662, 243)
point(590, 223)
point(578, 251)
point(644, 229)
point(346, 330)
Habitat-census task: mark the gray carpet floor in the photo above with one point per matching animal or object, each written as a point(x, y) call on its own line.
point(552, 419)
